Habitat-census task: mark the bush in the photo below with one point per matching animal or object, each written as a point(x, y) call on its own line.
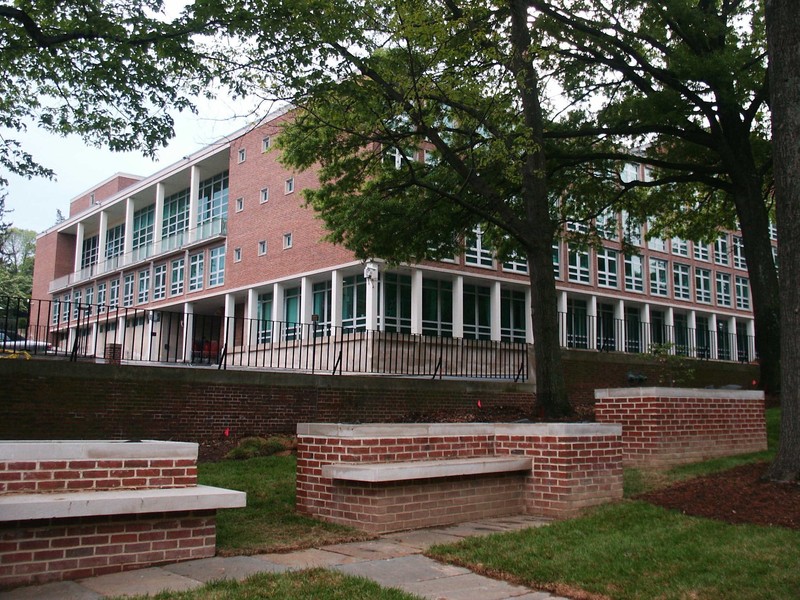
point(251, 447)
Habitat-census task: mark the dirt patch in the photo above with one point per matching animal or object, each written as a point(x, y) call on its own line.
point(738, 495)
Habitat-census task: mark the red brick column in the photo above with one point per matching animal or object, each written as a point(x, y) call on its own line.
point(672, 426)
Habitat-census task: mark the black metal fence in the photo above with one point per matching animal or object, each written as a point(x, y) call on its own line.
point(115, 334)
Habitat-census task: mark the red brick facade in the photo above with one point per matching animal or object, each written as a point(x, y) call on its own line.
point(671, 426)
point(573, 466)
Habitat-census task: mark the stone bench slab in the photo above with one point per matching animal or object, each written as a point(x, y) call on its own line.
point(25, 507)
point(425, 469)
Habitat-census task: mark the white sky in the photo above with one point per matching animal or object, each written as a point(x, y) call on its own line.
point(32, 204)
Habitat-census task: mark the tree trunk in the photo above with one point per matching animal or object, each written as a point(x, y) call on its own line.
point(783, 41)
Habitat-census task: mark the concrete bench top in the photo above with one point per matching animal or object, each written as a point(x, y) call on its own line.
point(25, 507)
point(425, 469)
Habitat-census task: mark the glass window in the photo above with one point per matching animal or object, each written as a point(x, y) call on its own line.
point(127, 290)
point(289, 186)
point(264, 196)
point(577, 324)
point(291, 313)
point(241, 155)
point(89, 252)
point(264, 308)
point(65, 308)
point(177, 277)
point(160, 282)
point(196, 265)
point(216, 266)
point(354, 303)
point(513, 316)
point(477, 251)
point(237, 255)
point(113, 293)
point(658, 277)
point(702, 285)
point(634, 273)
point(101, 297)
point(742, 293)
point(578, 267)
point(176, 214)
point(721, 250)
point(322, 300)
point(701, 251)
point(143, 223)
point(76, 304)
point(213, 199)
point(239, 204)
point(262, 247)
point(477, 312)
point(144, 286)
point(437, 307)
point(556, 260)
point(631, 229)
point(287, 241)
point(115, 240)
point(516, 264)
point(680, 247)
point(738, 253)
point(607, 268)
point(723, 289)
point(606, 224)
point(773, 231)
point(397, 302)
point(680, 282)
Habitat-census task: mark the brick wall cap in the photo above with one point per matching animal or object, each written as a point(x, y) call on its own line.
point(425, 469)
point(394, 430)
point(24, 507)
point(670, 392)
point(30, 450)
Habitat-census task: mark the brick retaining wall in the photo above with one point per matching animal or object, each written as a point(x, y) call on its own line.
point(671, 426)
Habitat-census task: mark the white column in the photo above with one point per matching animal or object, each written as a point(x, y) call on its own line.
point(127, 247)
point(416, 302)
point(562, 318)
point(194, 195)
point(79, 246)
point(692, 325)
point(647, 334)
point(733, 338)
point(158, 219)
point(494, 310)
point(712, 327)
point(528, 316)
point(188, 329)
point(336, 299)
point(101, 243)
point(591, 330)
point(372, 302)
point(458, 307)
point(671, 329)
point(277, 302)
point(230, 326)
point(620, 326)
point(751, 339)
point(306, 301)
point(251, 316)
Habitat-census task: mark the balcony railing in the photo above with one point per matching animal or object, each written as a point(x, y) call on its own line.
point(184, 239)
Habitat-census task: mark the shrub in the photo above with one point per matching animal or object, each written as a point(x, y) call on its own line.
point(251, 447)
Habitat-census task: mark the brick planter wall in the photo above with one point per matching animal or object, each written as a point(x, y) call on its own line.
point(672, 426)
point(573, 466)
point(78, 509)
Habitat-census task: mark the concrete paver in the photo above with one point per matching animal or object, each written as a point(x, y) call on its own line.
point(395, 560)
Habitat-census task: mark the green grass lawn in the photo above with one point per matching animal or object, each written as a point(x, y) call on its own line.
point(317, 584)
point(269, 523)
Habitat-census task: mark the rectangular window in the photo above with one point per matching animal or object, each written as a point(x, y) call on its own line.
point(578, 267)
point(89, 299)
point(213, 199)
point(577, 227)
point(680, 247)
point(397, 302)
point(354, 303)
point(144, 287)
point(291, 313)
point(239, 204)
point(176, 277)
point(237, 255)
point(607, 270)
point(160, 282)
point(437, 308)
point(701, 251)
point(516, 264)
point(321, 294)
point(631, 229)
point(264, 196)
point(196, 264)
point(262, 247)
point(658, 277)
point(175, 216)
point(634, 273)
point(289, 186)
point(702, 285)
point(265, 143)
point(287, 241)
point(76, 305)
point(723, 289)
point(101, 297)
point(113, 293)
point(556, 260)
point(143, 224)
point(115, 240)
point(773, 231)
point(89, 252)
point(127, 290)
point(477, 252)
point(742, 293)
point(477, 312)
point(513, 316)
point(216, 266)
point(264, 328)
point(721, 250)
point(680, 282)
point(606, 224)
point(65, 304)
point(738, 253)
point(241, 155)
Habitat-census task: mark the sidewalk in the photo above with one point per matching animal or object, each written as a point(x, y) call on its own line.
point(394, 560)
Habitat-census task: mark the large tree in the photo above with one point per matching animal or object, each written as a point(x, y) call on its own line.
point(106, 70)
point(783, 36)
point(16, 262)
point(685, 83)
point(374, 84)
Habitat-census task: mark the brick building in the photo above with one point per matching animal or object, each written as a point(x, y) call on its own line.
point(225, 234)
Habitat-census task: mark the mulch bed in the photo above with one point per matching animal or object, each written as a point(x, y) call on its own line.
point(738, 495)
